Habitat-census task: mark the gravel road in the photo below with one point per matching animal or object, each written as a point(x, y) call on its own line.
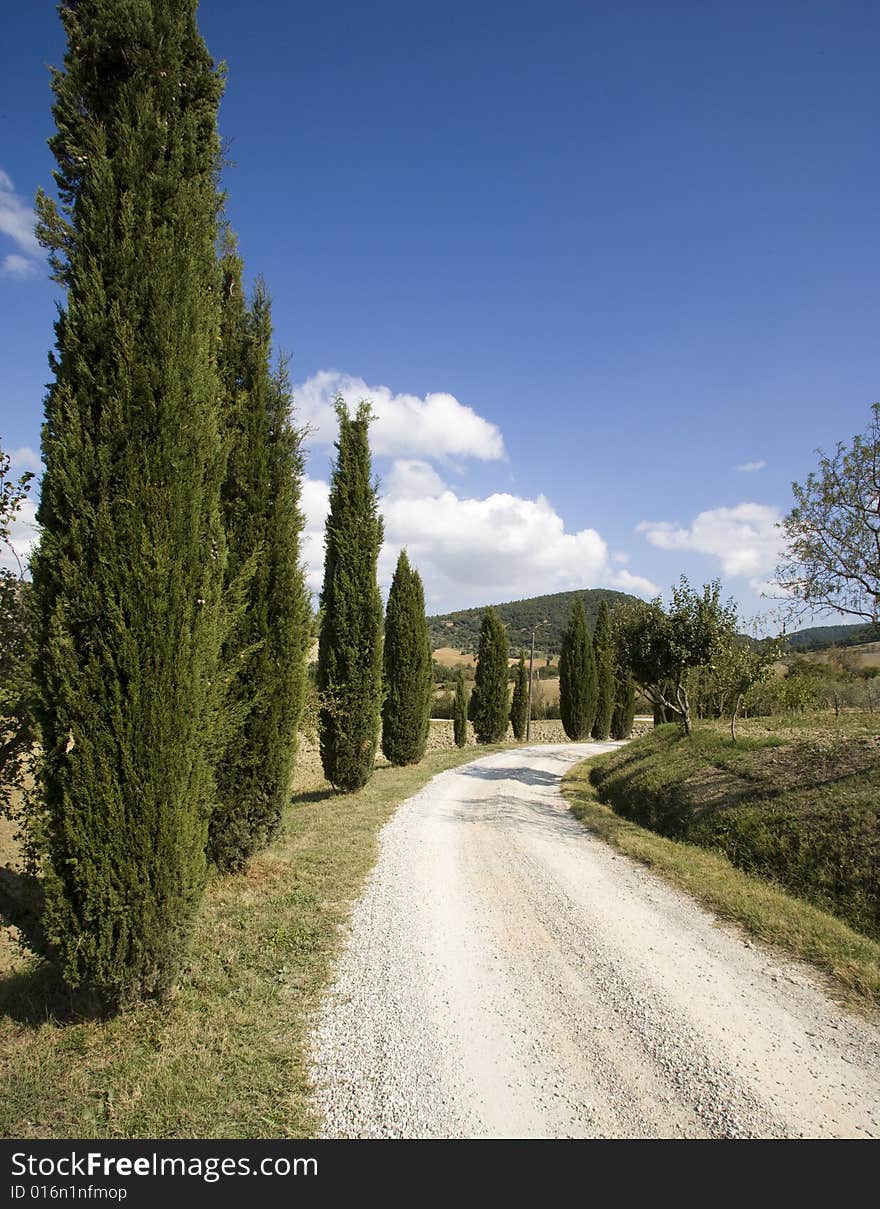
point(507, 975)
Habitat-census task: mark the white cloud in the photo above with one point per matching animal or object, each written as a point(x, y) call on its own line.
point(746, 539)
point(437, 426)
point(315, 503)
point(411, 479)
point(25, 458)
point(751, 467)
point(473, 551)
point(23, 534)
point(17, 221)
point(17, 266)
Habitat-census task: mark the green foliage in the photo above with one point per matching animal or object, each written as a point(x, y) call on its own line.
point(624, 706)
point(460, 715)
point(264, 654)
point(658, 647)
point(578, 681)
point(489, 706)
point(833, 532)
point(606, 664)
point(519, 707)
point(409, 680)
point(548, 613)
point(128, 578)
point(16, 721)
point(802, 814)
point(349, 673)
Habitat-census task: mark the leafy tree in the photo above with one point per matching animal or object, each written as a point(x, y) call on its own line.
point(349, 673)
point(833, 532)
point(489, 707)
point(128, 577)
point(606, 664)
point(659, 647)
point(266, 649)
point(520, 704)
point(461, 712)
point(578, 682)
point(409, 681)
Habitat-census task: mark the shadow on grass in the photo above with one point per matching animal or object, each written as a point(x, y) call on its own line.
point(37, 995)
point(311, 797)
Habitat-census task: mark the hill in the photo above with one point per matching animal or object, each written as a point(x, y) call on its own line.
point(461, 629)
point(816, 638)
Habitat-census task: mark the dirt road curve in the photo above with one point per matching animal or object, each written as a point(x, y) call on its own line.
point(508, 975)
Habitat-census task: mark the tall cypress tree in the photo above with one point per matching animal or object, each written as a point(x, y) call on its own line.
point(489, 705)
point(128, 578)
point(349, 673)
point(606, 663)
point(265, 651)
point(460, 716)
point(409, 674)
point(520, 704)
point(577, 676)
point(624, 706)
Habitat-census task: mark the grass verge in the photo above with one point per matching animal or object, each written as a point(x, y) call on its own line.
point(850, 959)
point(226, 1056)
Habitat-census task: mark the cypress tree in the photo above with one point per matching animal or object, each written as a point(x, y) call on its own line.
point(606, 663)
point(624, 706)
point(129, 575)
point(460, 717)
point(409, 674)
point(577, 676)
point(489, 705)
point(349, 673)
point(265, 651)
point(520, 704)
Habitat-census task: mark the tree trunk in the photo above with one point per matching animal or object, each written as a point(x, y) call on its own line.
point(736, 706)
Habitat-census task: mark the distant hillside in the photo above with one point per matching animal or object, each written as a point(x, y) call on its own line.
point(819, 637)
point(462, 628)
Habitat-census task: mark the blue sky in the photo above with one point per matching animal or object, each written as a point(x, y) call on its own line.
point(588, 258)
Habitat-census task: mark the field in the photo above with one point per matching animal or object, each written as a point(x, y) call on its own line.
point(448, 656)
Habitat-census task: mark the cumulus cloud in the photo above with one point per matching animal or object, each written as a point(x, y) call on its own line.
point(470, 550)
point(751, 467)
point(746, 539)
point(437, 426)
point(17, 221)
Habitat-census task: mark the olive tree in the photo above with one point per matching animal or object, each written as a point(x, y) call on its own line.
point(660, 646)
point(833, 532)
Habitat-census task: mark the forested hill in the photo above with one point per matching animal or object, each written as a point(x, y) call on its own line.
point(462, 628)
point(818, 637)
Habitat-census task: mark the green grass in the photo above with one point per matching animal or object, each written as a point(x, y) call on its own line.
point(225, 1057)
point(850, 959)
point(798, 805)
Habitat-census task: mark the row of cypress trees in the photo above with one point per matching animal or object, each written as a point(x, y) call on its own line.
point(596, 696)
point(171, 616)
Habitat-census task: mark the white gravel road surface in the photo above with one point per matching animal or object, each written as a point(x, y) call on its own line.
point(507, 975)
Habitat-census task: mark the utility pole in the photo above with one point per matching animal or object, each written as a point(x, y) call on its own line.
point(531, 664)
point(529, 710)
